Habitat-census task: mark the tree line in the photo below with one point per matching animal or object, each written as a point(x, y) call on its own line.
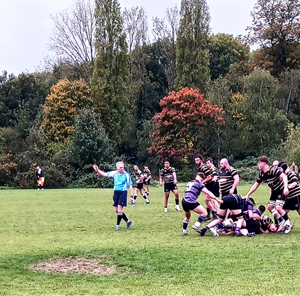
point(113, 91)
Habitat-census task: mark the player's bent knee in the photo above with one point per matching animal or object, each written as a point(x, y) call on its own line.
point(279, 204)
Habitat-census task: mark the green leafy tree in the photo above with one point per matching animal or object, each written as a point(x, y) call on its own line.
point(152, 88)
point(225, 52)
point(89, 143)
point(182, 125)
point(192, 59)
point(288, 98)
point(110, 77)
point(21, 99)
point(223, 141)
point(262, 125)
point(165, 36)
point(276, 29)
point(291, 147)
point(1, 142)
point(60, 109)
point(13, 142)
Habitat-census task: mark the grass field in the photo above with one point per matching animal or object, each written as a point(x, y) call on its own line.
point(151, 258)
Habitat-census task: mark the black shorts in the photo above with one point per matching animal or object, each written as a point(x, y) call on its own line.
point(147, 182)
point(253, 226)
point(230, 202)
point(120, 198)
point(277, 195)
point(170, 187)
point(292, 204)
point(139, 186)
point(227, 193)
point(214, 188)
point(189, 206)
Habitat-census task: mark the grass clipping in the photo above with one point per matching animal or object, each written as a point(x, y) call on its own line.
point(82, 265)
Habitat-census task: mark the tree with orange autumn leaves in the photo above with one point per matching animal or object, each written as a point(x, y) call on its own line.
point(61, 107)
point(182, 124)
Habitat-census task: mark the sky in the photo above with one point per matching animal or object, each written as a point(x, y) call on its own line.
point(26, 26)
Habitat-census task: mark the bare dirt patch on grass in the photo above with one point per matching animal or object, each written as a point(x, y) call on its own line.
point(74, 264)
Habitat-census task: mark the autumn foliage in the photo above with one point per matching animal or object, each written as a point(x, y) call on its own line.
point(180, 126)
point(61, 106)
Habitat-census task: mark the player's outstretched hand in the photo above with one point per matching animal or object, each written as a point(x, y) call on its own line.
point(95, 167)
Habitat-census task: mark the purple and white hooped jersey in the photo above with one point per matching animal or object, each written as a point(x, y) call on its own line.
point(193, 190)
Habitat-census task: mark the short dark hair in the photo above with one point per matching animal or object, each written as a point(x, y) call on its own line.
point(199, 156)
point(262, 208)
point(263, 159)
point(283, 165)
point(201, 175)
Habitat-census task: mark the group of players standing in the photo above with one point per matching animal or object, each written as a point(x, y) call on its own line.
point(234, 213)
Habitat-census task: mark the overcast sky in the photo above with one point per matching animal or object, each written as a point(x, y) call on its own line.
point(26, 25)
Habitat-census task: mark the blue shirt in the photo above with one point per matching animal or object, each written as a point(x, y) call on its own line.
point(121, 182)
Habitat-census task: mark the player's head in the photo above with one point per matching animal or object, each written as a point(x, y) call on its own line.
point(262, 162)
point(198, 160)
point(120, 166)
point(135, 167)
point(262, 209)
point(209, 162)
point(200, 176)
point(282, 166)
point(272, 227)
point(266, 221)
point(224, 164)
point(167, 163)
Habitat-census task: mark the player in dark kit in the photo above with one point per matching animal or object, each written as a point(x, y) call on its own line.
point(212, 205)
point(237, 205)
point(168, 177)
point(39, 178)
point(228, 178)
point(292, 200)
point(147, 179)
point(139, 176)
point(189, 201)
point(277, 181)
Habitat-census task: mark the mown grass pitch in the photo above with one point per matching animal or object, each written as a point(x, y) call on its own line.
point(151, 258)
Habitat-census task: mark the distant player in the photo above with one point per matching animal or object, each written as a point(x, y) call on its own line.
point(139, 176)
point(147, 178)
point(39, 178)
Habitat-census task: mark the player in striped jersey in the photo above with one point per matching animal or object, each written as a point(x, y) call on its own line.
point(228, 178)
point(292, 200)
point(277, 181)
point(168, 177)
point(212, 205)
point(139, 177)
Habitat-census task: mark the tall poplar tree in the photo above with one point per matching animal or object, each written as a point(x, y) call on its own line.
point(192, 61)
point(111, 71)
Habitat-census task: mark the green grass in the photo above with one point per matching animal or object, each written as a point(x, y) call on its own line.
point(39, 225)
